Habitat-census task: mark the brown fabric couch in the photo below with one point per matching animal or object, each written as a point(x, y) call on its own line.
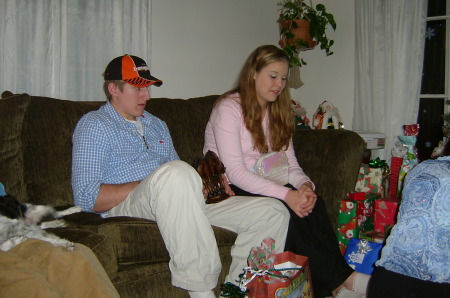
point(35, 167)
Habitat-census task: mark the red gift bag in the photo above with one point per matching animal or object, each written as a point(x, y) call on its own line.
point(274, 284)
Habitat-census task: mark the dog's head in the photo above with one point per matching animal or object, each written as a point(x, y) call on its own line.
point(11, 208)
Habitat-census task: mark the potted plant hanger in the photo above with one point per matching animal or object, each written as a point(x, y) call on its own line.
point(302, 27)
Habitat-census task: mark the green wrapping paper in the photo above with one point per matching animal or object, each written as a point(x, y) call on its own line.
point(365, 212)
point(372, 177)
point(347, 227)
point(355, 217)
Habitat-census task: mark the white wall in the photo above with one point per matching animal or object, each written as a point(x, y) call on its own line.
point(199, 46)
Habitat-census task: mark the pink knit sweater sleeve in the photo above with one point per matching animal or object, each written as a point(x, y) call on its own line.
point(227, 135)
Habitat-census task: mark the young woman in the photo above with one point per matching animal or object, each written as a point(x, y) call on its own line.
point(253, 119)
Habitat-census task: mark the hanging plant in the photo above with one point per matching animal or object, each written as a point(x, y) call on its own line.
point(295, 16)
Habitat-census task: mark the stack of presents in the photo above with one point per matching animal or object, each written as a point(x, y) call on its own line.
point(368, 213)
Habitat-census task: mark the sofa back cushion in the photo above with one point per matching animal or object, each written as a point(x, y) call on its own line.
point(12, 112)
point(36, 150)
point(186, 120)
point(331, 158)
point(47, 148)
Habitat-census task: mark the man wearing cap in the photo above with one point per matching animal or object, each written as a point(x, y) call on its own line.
point(124, 164)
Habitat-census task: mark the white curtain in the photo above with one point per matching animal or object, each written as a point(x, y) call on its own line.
point(390, 38)
point(60, 48)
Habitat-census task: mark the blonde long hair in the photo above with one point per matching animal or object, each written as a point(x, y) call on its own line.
point(280, 112)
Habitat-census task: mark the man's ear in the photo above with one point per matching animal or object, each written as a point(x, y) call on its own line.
point(112, 88)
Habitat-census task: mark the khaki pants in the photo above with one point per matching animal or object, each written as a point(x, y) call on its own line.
point(36, 268)
point(172, 195)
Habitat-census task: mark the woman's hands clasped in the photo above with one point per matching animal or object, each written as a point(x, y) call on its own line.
point(301, 201)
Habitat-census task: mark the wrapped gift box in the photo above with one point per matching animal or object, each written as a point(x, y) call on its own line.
point(386, 210)
point(355, 217)
point(396, 163)
point(364, 211)
point(371, 179)
point(347, 227)
point(361, 255)
point(356, 196)
point(374, 236)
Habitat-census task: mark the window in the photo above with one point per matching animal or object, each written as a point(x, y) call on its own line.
point(435, 79)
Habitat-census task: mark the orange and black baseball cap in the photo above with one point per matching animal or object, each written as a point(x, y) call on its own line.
point(132, 70)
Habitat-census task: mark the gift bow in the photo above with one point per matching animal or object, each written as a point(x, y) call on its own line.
point(377, 163)
point(364, 246)
point(254, 273)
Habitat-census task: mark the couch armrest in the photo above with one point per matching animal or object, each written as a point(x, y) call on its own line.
point(331, 158)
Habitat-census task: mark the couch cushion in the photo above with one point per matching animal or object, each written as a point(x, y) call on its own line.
point(47, 148)
point(135, 240)
point(12, 111)
point(154, 280)
point(186, 119)
point(329, 157)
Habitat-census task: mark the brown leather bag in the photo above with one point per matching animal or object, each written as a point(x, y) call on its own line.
point(211, 169)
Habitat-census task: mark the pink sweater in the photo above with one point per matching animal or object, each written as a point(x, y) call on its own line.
point(227, 136)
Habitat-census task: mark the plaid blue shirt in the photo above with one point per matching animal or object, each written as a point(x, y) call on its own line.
point(107, 149)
